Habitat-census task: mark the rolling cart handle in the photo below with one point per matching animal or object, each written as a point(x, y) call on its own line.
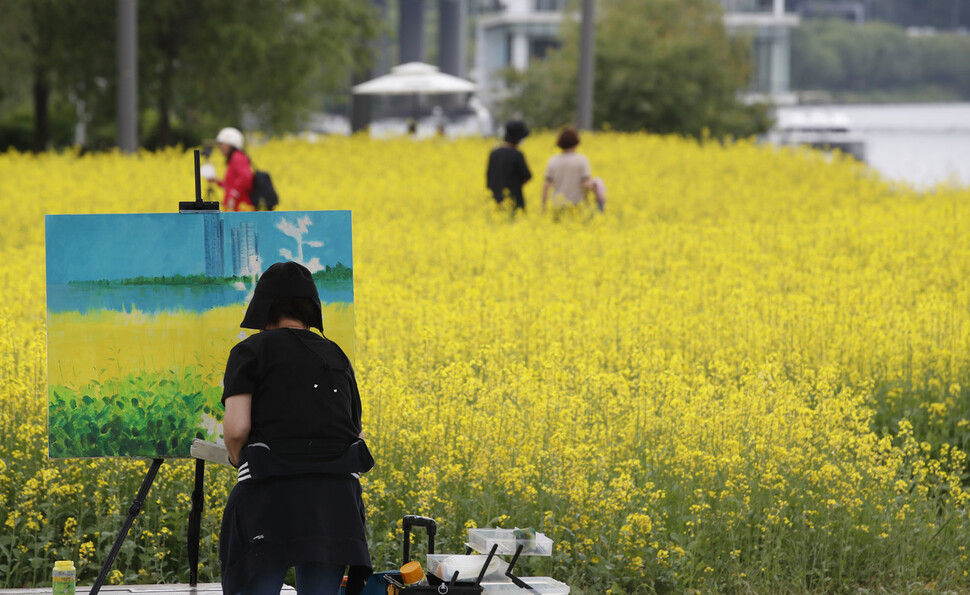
point(417, 521)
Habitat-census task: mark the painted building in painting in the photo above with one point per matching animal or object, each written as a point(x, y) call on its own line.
point(213, 242)
point(245, 261)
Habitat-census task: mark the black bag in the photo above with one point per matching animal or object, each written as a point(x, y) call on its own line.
point(264, 196)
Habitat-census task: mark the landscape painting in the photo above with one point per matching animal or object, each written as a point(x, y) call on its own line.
point(142, 310)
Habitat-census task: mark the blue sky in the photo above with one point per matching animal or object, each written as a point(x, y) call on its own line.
point(94, 247)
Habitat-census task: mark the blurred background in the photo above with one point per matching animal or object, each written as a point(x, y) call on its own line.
point(885, 80)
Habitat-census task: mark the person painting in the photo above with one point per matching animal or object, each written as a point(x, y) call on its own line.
point(507, 169)
point(238, 183)
point(292, 427)
point(567, 174)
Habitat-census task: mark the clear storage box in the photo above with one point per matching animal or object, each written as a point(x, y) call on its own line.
point(540, 584)
point(482, 540)
point(468, 567)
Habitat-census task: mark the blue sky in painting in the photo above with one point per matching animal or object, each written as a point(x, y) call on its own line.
point(94, 247)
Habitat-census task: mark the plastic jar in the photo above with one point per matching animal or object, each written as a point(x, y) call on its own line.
point(64, 578)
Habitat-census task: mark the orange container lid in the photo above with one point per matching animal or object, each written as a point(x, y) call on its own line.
point(412, 572)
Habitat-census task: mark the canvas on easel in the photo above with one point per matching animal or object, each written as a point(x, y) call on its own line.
point(142, 310)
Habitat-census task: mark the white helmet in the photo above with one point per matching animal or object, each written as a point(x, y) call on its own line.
point(230, 136)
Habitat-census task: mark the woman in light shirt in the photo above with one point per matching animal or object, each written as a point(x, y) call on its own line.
point(568, 174)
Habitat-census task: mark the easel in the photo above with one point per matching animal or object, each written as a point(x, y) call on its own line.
point(198, 495)
point(199, 205)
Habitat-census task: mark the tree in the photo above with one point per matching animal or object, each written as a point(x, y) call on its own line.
point(39, 41)
point(879, 60)
point(52, 50)
point(211, 63)
point(202, 65)
point(668, 66)
point(942, 14)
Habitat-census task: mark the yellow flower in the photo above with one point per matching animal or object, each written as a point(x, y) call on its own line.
point(715, 359)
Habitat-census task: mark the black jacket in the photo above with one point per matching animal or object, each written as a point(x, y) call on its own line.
point(298, 500)
point(507, 171)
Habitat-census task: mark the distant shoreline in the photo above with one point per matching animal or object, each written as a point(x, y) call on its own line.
point(338, 272)
point(876, 97)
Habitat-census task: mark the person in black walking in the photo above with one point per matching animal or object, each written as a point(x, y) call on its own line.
point(507, 169)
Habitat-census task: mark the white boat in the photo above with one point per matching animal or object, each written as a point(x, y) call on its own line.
point(820, 129)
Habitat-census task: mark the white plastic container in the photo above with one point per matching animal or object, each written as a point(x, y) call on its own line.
point(468, 567)
point(482, 540)
point(541, 584)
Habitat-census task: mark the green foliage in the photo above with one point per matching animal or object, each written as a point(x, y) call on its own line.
point(337, 272)
point(201, 65)
point(666, 66)
point(935, 405)
point(177, 279)
point(17, 127)
point(211, 63)
point(334, 273)
point(14, 57)
point(54, 57)
point(149, 414)
point(878, 59)
point(943, 14)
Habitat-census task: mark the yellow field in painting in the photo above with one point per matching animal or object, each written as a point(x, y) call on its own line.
point(144, 385)
point(85, 347)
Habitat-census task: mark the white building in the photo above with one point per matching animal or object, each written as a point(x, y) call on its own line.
point(512, 33)
point(769, 26)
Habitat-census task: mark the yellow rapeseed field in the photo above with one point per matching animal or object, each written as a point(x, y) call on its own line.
point(750, 374)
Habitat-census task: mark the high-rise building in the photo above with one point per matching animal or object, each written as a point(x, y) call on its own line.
point(214, 262)
point(244, 250)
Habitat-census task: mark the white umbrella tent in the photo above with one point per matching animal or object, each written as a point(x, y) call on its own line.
point(415, 79)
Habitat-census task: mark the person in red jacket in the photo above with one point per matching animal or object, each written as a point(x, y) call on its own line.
point(238, 182)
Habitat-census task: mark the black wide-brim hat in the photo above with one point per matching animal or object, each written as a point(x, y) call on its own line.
point(281, 280)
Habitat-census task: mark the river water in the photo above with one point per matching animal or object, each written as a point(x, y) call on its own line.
point(152, 299)
point(922, 144)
